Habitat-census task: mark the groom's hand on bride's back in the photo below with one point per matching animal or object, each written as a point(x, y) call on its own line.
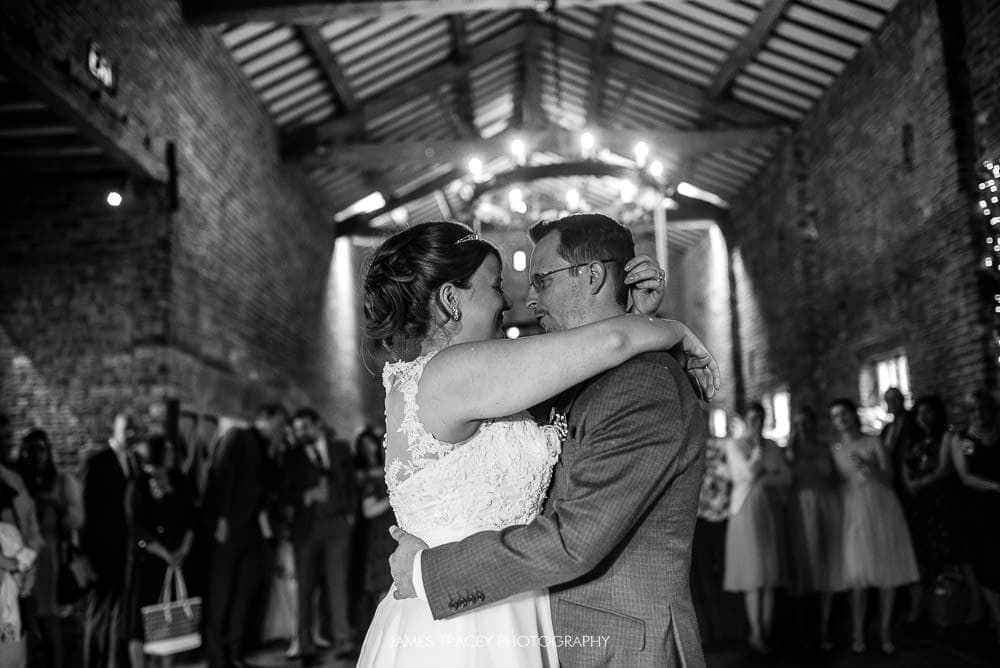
point(401, 561)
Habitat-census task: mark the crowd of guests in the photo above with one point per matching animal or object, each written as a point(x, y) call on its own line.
point(280, 527)
point(914, 507)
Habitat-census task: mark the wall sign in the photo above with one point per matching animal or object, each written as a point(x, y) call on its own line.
point(100, 68)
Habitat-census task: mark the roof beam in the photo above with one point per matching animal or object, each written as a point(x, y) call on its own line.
point(559, 140)
point(598, 65)
point(464, 112)
point(318, 47)
point(427, 83)
point(671, 86)
point(319, 11)
point(361, 224)
point(748, 48)
point(532, 115)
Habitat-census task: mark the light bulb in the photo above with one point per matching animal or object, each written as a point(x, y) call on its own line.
point(587, 142)
point(641, 153)
point(114, 198)
point(656, 169)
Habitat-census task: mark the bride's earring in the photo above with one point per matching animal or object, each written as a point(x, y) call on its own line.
point(456, 315)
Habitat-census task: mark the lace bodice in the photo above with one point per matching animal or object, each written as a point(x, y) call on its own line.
point(443, 491)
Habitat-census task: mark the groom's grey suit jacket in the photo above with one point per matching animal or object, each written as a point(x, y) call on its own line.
point(614, 541)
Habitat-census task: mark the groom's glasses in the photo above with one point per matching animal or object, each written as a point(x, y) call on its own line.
point(537, 281)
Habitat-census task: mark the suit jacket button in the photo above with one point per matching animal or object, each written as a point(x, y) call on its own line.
point(480, 597)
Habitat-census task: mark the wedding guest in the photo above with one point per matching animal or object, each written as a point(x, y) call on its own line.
point(814, 519)
point(755, 539)
point(59, 507)
point(877, 550)
point(716, 620)
point(234, 502)
point(896, 437)
point(976, 453)
point(161, 521)
point(107, 472)
point(16, 560)
point(378, 517)
point(320, 486)
point(931, 508)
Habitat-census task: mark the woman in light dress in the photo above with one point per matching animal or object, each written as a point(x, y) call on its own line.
point(877, 549)
point(815, 513)
point(462, 454)
point(755, 538)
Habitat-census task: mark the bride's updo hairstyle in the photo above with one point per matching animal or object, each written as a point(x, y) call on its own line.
point(405, 273)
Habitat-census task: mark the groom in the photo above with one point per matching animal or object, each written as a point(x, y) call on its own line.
point(614, 541)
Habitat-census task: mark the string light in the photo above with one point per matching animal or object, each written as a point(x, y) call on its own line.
point(476, 168)
point(989, 173)
point(587, 143)
point(641, 153)
point(518, 149)
point(114, 198)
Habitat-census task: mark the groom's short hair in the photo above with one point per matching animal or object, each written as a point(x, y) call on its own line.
point(587, 237)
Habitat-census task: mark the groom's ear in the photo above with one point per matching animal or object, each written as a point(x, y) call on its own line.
point(598, 276)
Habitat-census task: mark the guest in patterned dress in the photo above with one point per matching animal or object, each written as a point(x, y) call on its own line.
point(708, 548)
point(815, 515)
point(929, 481)
point(877, 550)
point(976, 452)
point(755, 539)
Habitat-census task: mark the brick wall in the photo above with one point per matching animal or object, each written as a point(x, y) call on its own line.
point(242, 267)
point(894, 264)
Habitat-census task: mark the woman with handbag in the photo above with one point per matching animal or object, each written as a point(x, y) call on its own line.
point(160, 505)
point(59, 506)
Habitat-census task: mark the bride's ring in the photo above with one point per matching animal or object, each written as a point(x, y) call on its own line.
point(659, 276)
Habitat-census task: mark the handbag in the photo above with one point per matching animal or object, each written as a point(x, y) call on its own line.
point(172, 625)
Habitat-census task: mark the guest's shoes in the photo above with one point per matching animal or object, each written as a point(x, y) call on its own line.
point(320, 641)
point(826, 644)
point(293, 651)
point(346, 652)
point(888, 647)
point(858, 646)
point(759, 646)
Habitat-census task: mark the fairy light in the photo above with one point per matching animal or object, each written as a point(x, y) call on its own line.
point(989, 176)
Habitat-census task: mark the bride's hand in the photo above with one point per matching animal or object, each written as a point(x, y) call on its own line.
point(401, 562)
point(700, 366)
point(645, 281)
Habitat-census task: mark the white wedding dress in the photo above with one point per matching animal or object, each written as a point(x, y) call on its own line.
point(443, 492)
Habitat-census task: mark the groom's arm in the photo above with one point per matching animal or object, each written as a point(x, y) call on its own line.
point(634, 433)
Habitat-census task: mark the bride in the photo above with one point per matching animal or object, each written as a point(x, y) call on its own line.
point(462, 454)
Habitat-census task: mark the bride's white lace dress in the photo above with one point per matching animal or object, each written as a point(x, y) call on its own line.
point(443, 492)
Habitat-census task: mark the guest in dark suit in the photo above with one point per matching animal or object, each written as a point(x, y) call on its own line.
point(105, 542)
point(897, 436)
point(321, 488)
point(234, 505)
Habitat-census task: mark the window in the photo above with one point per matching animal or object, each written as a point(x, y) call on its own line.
point(881, 373)
point(778, 421)
point(719, 424)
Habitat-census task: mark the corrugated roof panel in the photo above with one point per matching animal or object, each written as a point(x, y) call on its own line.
point(826, 23)
point(738, 12)
point(268, 60)
point(263, 43)
point(756, 86)
point(289, 85)
point(386, 44)
point(483, 25)
point(780, 63)
point(687, 15)
point(281, 71)
point(239, 34)
point(852, 10)
point(762, 102)
point(700, 74)
point(671, 43)
point(679, 32)
point(358, 39)
point(299, 95)
point(815, 40)
point(316, 108)
point(806, 56)
point(791, 84)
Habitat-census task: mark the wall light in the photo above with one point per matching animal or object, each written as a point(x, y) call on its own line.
point(114, 198)
point(520, 260)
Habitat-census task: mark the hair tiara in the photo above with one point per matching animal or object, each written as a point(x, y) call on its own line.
point(468, 237)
